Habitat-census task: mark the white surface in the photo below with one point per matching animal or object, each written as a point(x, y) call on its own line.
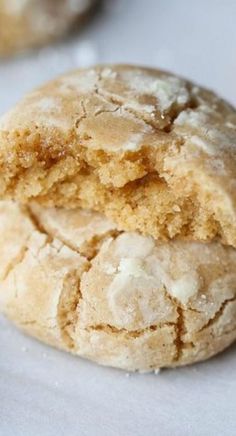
point(45, 392)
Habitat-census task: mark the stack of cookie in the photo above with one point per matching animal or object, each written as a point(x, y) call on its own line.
point(118, 227)
point(29, 23)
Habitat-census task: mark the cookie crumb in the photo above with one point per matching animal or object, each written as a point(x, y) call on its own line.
point(176, 208)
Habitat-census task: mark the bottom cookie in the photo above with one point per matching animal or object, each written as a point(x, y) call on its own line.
point(72, 280)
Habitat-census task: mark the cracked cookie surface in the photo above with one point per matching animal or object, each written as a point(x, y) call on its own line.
point(72, 280)
point(29, 23)
point(151, 151)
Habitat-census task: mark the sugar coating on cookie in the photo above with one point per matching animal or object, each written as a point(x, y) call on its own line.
point(150, 150)
point(118, 298)
point(28, 23)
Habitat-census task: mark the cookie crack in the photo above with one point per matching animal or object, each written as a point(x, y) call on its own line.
point(106, 111)
point(83, 117)
point(89, 252)
point(179, 325)
point(108, 328)
point(37, 224)
point(16, 261)
point(41, 229)
point(218, 314)
point(180, 330)
point(122, 107)
point(175, 111)
point(68, 316)
point(170, 117)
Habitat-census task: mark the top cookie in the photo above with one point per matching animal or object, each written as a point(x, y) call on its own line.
point(150, 150)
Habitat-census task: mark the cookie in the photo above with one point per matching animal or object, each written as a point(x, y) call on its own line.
point(151, 151)
point(72, 280)
point(29, 23)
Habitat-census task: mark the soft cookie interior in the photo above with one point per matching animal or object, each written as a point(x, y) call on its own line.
point(151, 151)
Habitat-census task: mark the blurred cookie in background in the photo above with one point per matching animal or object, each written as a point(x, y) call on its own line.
point(30, 23)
